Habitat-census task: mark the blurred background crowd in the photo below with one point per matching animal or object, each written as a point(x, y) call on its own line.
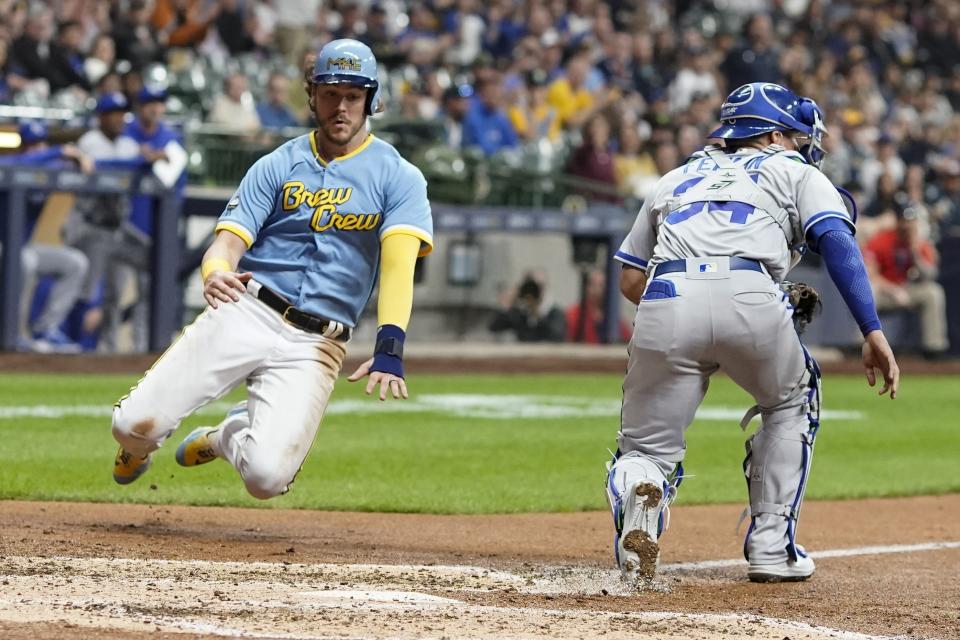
point(561, 102)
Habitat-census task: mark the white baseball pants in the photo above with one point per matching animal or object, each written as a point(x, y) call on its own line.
point(289, 373)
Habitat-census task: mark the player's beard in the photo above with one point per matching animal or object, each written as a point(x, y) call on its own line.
point(340, 140)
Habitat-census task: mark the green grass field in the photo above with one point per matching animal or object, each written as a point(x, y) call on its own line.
point(475, 444)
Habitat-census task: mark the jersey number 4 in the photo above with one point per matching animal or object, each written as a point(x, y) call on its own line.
point(739, 211)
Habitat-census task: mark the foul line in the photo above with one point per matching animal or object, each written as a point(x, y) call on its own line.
point(816, 555)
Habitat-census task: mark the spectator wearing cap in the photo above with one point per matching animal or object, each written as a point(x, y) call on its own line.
point(456, 103)
point(486, 124)
point(534, 118)
point(100, 226)
point(903, 266)
point(274, 112)
point(35, 150)
point(65, 266)
point(154, 137)
point(234, 109)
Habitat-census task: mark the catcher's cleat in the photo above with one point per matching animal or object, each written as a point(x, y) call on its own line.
point(128, 467)
point(786, 571)
point(637, 548)
point(197, 448)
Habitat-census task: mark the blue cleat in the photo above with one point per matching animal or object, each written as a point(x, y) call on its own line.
point(197, 448)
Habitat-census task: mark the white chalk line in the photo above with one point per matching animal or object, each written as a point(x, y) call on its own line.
point(477, 406)
point(465, 571)
point(691, 567)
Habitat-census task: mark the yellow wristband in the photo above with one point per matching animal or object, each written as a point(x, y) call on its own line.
point(213, 264)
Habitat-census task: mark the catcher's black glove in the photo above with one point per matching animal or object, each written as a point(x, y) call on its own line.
point(805, 301)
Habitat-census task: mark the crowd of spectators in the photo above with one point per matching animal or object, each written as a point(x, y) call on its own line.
point(629, 87)
point(626, 89)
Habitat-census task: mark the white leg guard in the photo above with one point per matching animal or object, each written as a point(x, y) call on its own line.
point(639, 493)
point(777, 467)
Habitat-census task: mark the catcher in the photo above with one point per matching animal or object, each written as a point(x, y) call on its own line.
point(704, 261)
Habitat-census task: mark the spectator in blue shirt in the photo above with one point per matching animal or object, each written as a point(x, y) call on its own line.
point(486, 124)
point(153, 135)
point(274, 112)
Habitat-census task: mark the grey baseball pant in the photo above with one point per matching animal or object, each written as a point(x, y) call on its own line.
point(740, 323)
point(115, 255)
point(68, 266)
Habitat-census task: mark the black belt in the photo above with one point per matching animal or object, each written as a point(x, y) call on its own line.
point(300, 319)
point(736, 264)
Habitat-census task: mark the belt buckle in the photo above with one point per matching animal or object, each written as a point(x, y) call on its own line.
point(284, 315)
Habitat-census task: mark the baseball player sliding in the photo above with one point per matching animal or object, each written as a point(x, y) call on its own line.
point(297, 252)
point(704, 262)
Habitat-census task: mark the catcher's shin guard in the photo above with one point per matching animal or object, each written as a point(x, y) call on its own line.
point(777, 466)
point(639, 494)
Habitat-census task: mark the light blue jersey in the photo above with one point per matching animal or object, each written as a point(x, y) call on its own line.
point(313, 228)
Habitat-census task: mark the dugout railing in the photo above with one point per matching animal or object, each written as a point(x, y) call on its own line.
point(165, 291)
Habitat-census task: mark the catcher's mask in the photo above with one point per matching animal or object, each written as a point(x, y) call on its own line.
point(762, 107)
point(350, 62)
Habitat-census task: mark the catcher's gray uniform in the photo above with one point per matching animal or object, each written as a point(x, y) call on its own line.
point(716, 238)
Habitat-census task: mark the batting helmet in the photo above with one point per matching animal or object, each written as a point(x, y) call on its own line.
point(349, 62)
point(762, 107)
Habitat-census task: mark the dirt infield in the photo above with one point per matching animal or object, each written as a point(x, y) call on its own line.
point(130, 571)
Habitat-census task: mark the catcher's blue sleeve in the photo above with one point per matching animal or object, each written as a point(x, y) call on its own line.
point(845, 265)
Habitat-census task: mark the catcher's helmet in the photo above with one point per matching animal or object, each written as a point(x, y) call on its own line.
point(351, 62)
point(762, 107)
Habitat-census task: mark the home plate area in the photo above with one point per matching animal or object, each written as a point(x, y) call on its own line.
point(130, 598)
point(886, 568)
